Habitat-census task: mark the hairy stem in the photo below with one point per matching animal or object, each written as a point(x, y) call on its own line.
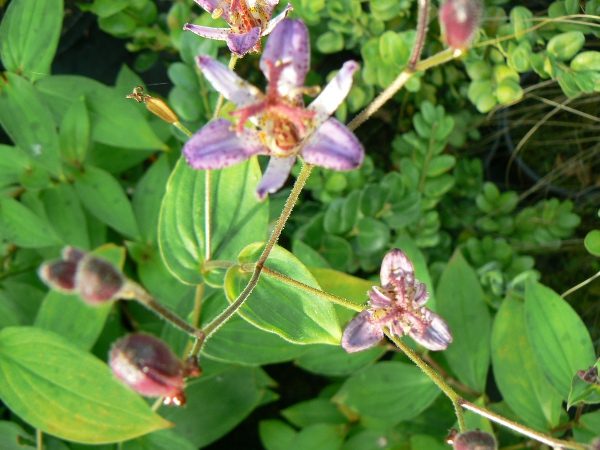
point(281, 221)
point(422, 22)
point(521, 429)
point(137, 292)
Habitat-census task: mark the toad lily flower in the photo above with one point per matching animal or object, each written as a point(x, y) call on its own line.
point(248, 20)
point(399, 306)
point(280, 123)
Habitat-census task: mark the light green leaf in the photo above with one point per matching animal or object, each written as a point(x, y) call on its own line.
point(22, 227)
point(29, 35)
point(75, 132)
point(66, 215)
point(159, 440)
point(296, 315)
point(104, 197)
point(518, 376)
point(335, 361)
point(460, 301)
point(561, 342)
point(28, 122)
point(319, 435)
point(276, 435)
point(592, 242)
point(387, 393)
point(54, 393)
point(237, 217)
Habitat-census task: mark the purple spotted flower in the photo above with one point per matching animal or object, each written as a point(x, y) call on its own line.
point(276, 122)
point(248, 21)
point(398, 306)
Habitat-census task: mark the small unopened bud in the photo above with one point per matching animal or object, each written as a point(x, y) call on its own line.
point(149, 367)
point(589, 376)
point(59, 275)
point(98, 281)
point(72, 254)
point(459, 21)
point(155, 105)
point(474, 440)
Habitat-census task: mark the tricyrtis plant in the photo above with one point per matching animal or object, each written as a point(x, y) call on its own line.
point(204, 262)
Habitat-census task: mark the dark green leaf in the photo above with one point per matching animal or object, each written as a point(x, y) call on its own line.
point(276, 306)
point(217, 403)
point(320, 435)
point(54, 394)
point(561, 342)
point(373, 235)
point(64, 212)
point(518, 376)
point(75, 132)
point(276, 435)
point(460, 301)
point(23, 227)
point(159, 440)
point(12, 437)
point(29, 36)
point(238, 218)
point(312, 412)
point(13, 162)
point(387, 393)
point(28, 122)
point(104, 197)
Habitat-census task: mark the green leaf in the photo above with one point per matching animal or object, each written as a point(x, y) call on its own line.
point(330, 42)
point(518, 376)
point(335, 361)
point(238, 218)
point(276, 306)
point(114, 120)
point(159, 440)
point(103, 196)
point(584, 392)
point(22, 227)
point(307, 255)
point(566, 45)
point(387, 393)
point(440, 164)
point(460, 301)
point(373, 235)
point(28, 122)
point(217, 403)
point(592, 242)
point(12, 437)
point(240, 342)
point(54, 394)
point(85, 322)
point(29, 35)
point(75, 132)
point(66, 215)
point(319, 436)
point(13, 163)
point(314, 411)
point(561, 342)
point(148, 196)
point(276, 435)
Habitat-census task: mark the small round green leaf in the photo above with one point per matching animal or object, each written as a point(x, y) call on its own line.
point(566, 45)
point(592, 242)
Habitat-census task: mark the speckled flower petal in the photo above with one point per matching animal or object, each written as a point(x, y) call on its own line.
point(216, 145)
point(242, 43)
point(361, 333)
point(278, 18)
point(288, 44)
point(396, 265)
point(226, 82)
point(435, 335)
point(334, 146)
point(334, 93)
point(278, 171)
point(378, 299)
point(220, 34)
point(421, 294)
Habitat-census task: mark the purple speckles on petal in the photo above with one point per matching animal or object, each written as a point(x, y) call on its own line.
point(216, 146)
point(274, 177)
point(242, 43)
point(288, 43)
point(226, 82)
point(435, 335)
point(395, 265)
point(334, 93)
point(334, 146)
point(361, 334)
point(278, 18)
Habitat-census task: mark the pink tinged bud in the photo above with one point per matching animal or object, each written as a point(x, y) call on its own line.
point(459, 21)
point(98, 281)
point(72, 254)
point(149, 367)
point(59, 275)
point(474, 440)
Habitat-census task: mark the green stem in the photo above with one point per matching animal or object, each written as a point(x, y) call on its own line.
point(422, 22)
point(39, 439)
point(580, 285)
point(181, 127)
point(305, 287)
point(521, 429)
point(281, 221)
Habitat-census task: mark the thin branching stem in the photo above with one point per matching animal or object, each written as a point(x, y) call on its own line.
point(422, 23)
point(580, 285)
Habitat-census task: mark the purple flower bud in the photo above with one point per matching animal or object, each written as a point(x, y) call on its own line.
point(98, 281)
point(459, 21)
point(59, 275)
point(72, 254)
point(149, 367)
point(474, 440)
